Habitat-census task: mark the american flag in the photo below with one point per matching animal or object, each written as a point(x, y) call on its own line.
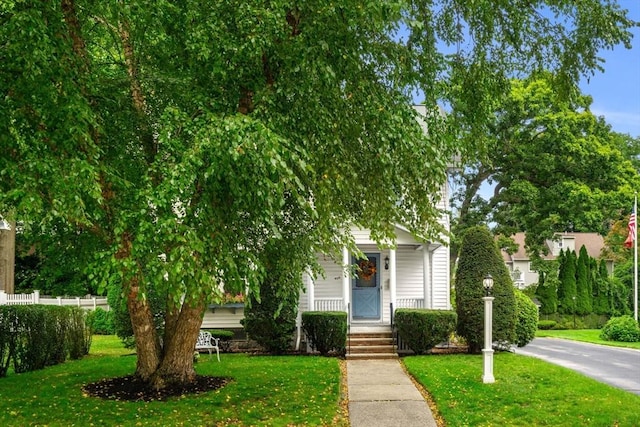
point(632, 230)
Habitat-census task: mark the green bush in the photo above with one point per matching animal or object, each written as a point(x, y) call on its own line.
point(79, 337)
point(423, 329)
point(8, 324)
point(101, 322)
point(326, 330)
point(479, 256)
point(271, 321)
point(33, 342)
point(547, 324)
point(222, 334)
point(35, 336)
point(527, 321)
point(623, 329)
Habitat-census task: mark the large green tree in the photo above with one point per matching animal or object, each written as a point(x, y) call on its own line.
point(554, 167)
point(184, 135)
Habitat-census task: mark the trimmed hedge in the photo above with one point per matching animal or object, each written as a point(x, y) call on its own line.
point(35, 336)
point(547, 324)
point(326, 330)
point(423, 329)
point(622, 329)
point(479, 256)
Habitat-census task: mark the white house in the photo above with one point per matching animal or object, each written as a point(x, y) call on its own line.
point(415, 274)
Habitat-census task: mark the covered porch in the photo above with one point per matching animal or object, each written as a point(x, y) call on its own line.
point(412, 275)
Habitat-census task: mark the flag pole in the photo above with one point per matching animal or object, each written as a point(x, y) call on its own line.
point(635, 260)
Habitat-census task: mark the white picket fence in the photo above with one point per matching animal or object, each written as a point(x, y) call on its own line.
point(89, 302)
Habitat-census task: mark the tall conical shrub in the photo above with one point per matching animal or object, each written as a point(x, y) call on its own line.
point(547, 289)
point(567, 287)
point(479, 256)
point(601, 304)
point(584, 298)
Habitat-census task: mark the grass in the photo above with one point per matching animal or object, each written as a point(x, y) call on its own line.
point(273, 391)
point(527, 392)
point(586, 335)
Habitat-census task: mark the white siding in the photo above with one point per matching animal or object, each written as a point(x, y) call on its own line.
point(329, 286)
point(222, 318)
point(440, 279)
point(409, 274)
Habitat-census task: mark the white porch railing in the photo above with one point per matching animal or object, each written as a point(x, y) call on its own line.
point(328, 304)
point(409, 303)
point(35, 298)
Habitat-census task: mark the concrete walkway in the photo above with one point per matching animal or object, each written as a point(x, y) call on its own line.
point(382, 395)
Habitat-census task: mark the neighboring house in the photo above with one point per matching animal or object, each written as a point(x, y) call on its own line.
point(519, 263)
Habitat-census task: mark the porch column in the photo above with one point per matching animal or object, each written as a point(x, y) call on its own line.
point(392, 277)
point(426, 279)
point(346, 278)
point(311, 297)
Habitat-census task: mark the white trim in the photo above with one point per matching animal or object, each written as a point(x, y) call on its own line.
point(426, 277)
point(346, 282)
point(392, 280)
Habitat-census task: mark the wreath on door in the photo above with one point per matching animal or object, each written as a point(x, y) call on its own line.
point(367, 269)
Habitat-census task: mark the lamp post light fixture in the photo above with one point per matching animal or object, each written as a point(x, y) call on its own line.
point(487, 352)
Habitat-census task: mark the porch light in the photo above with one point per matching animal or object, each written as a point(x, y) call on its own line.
point(386, 263)
point(487, 283)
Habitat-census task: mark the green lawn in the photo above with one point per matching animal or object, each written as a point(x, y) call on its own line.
point(586, 335)
point(527, 392)
point(273, 391)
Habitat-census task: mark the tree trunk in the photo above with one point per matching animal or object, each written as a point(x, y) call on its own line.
point(144, 331)
point(176, 366)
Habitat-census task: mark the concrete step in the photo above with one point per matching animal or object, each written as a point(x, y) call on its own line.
point(389, 348)
point(363, 342)
point(369, 343)
point(388, 335)
point(367, 356)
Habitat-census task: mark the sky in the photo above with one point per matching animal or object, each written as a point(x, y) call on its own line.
point(616, 91)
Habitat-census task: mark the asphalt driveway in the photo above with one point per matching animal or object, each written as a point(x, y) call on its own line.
point(619, 367)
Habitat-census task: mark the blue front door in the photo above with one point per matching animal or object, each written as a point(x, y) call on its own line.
point(365, 288)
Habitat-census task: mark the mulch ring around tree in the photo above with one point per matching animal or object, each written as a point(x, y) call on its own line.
point(132, 389)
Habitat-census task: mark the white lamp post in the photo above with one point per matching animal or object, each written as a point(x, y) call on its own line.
point(487, 352)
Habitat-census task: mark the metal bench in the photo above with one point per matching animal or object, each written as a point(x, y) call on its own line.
point(208, 342)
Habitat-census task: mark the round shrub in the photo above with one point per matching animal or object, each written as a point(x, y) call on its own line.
point(422, 330)
point(622, 329)
point(326, 330)
point(547, 324)
point(527, 321)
